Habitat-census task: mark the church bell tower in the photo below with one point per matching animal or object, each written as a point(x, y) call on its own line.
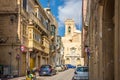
point(69, 27)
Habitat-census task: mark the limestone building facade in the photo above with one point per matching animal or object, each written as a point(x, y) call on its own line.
point(53, 37)
point(72, 44)
point(25, 36)
point(102, 38)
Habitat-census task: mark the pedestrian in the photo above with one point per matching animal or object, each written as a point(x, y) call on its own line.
point(29, 75)
point(34, 71)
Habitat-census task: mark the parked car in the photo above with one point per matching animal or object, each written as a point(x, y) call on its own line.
point(47, 70)
point(81, 73)
point(58, 68)
point(65, 66)
point(70, 66)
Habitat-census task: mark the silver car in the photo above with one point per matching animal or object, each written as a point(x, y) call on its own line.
point(81, 73)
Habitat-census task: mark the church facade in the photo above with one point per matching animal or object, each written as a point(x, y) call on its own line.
point(72, 44)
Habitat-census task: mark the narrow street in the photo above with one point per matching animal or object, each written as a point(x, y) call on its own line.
point(80, 38)
point(65, 75)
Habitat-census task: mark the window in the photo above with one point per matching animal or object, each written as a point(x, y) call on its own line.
point(24, 30)
point(39, 15)
point(82, 69)
point(69, 29)
point(37, 36)
point(67, 59)
point(52, 30)
point(73, 50)
point(25, 4)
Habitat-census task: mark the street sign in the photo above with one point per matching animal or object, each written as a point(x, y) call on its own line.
point(22, 48)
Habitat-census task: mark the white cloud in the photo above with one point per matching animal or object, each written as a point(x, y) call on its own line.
point(70, 9)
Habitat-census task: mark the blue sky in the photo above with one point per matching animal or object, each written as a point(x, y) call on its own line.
point(63, 9)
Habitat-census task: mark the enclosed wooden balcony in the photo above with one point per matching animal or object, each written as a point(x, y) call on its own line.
point(52, 48)
point(34, 44)
point(36, 21)
point(34, 38)
point(45, 44)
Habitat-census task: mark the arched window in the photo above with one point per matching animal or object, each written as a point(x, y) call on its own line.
point(69, 29)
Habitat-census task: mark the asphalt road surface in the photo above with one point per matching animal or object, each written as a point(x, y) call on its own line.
point(64, 75)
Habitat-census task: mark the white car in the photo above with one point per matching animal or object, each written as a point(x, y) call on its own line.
point(81, 73)
point(58, 68)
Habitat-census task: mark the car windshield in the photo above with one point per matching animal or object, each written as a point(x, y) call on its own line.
point(82, 69)
point(57, 65)
point(45, 66)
